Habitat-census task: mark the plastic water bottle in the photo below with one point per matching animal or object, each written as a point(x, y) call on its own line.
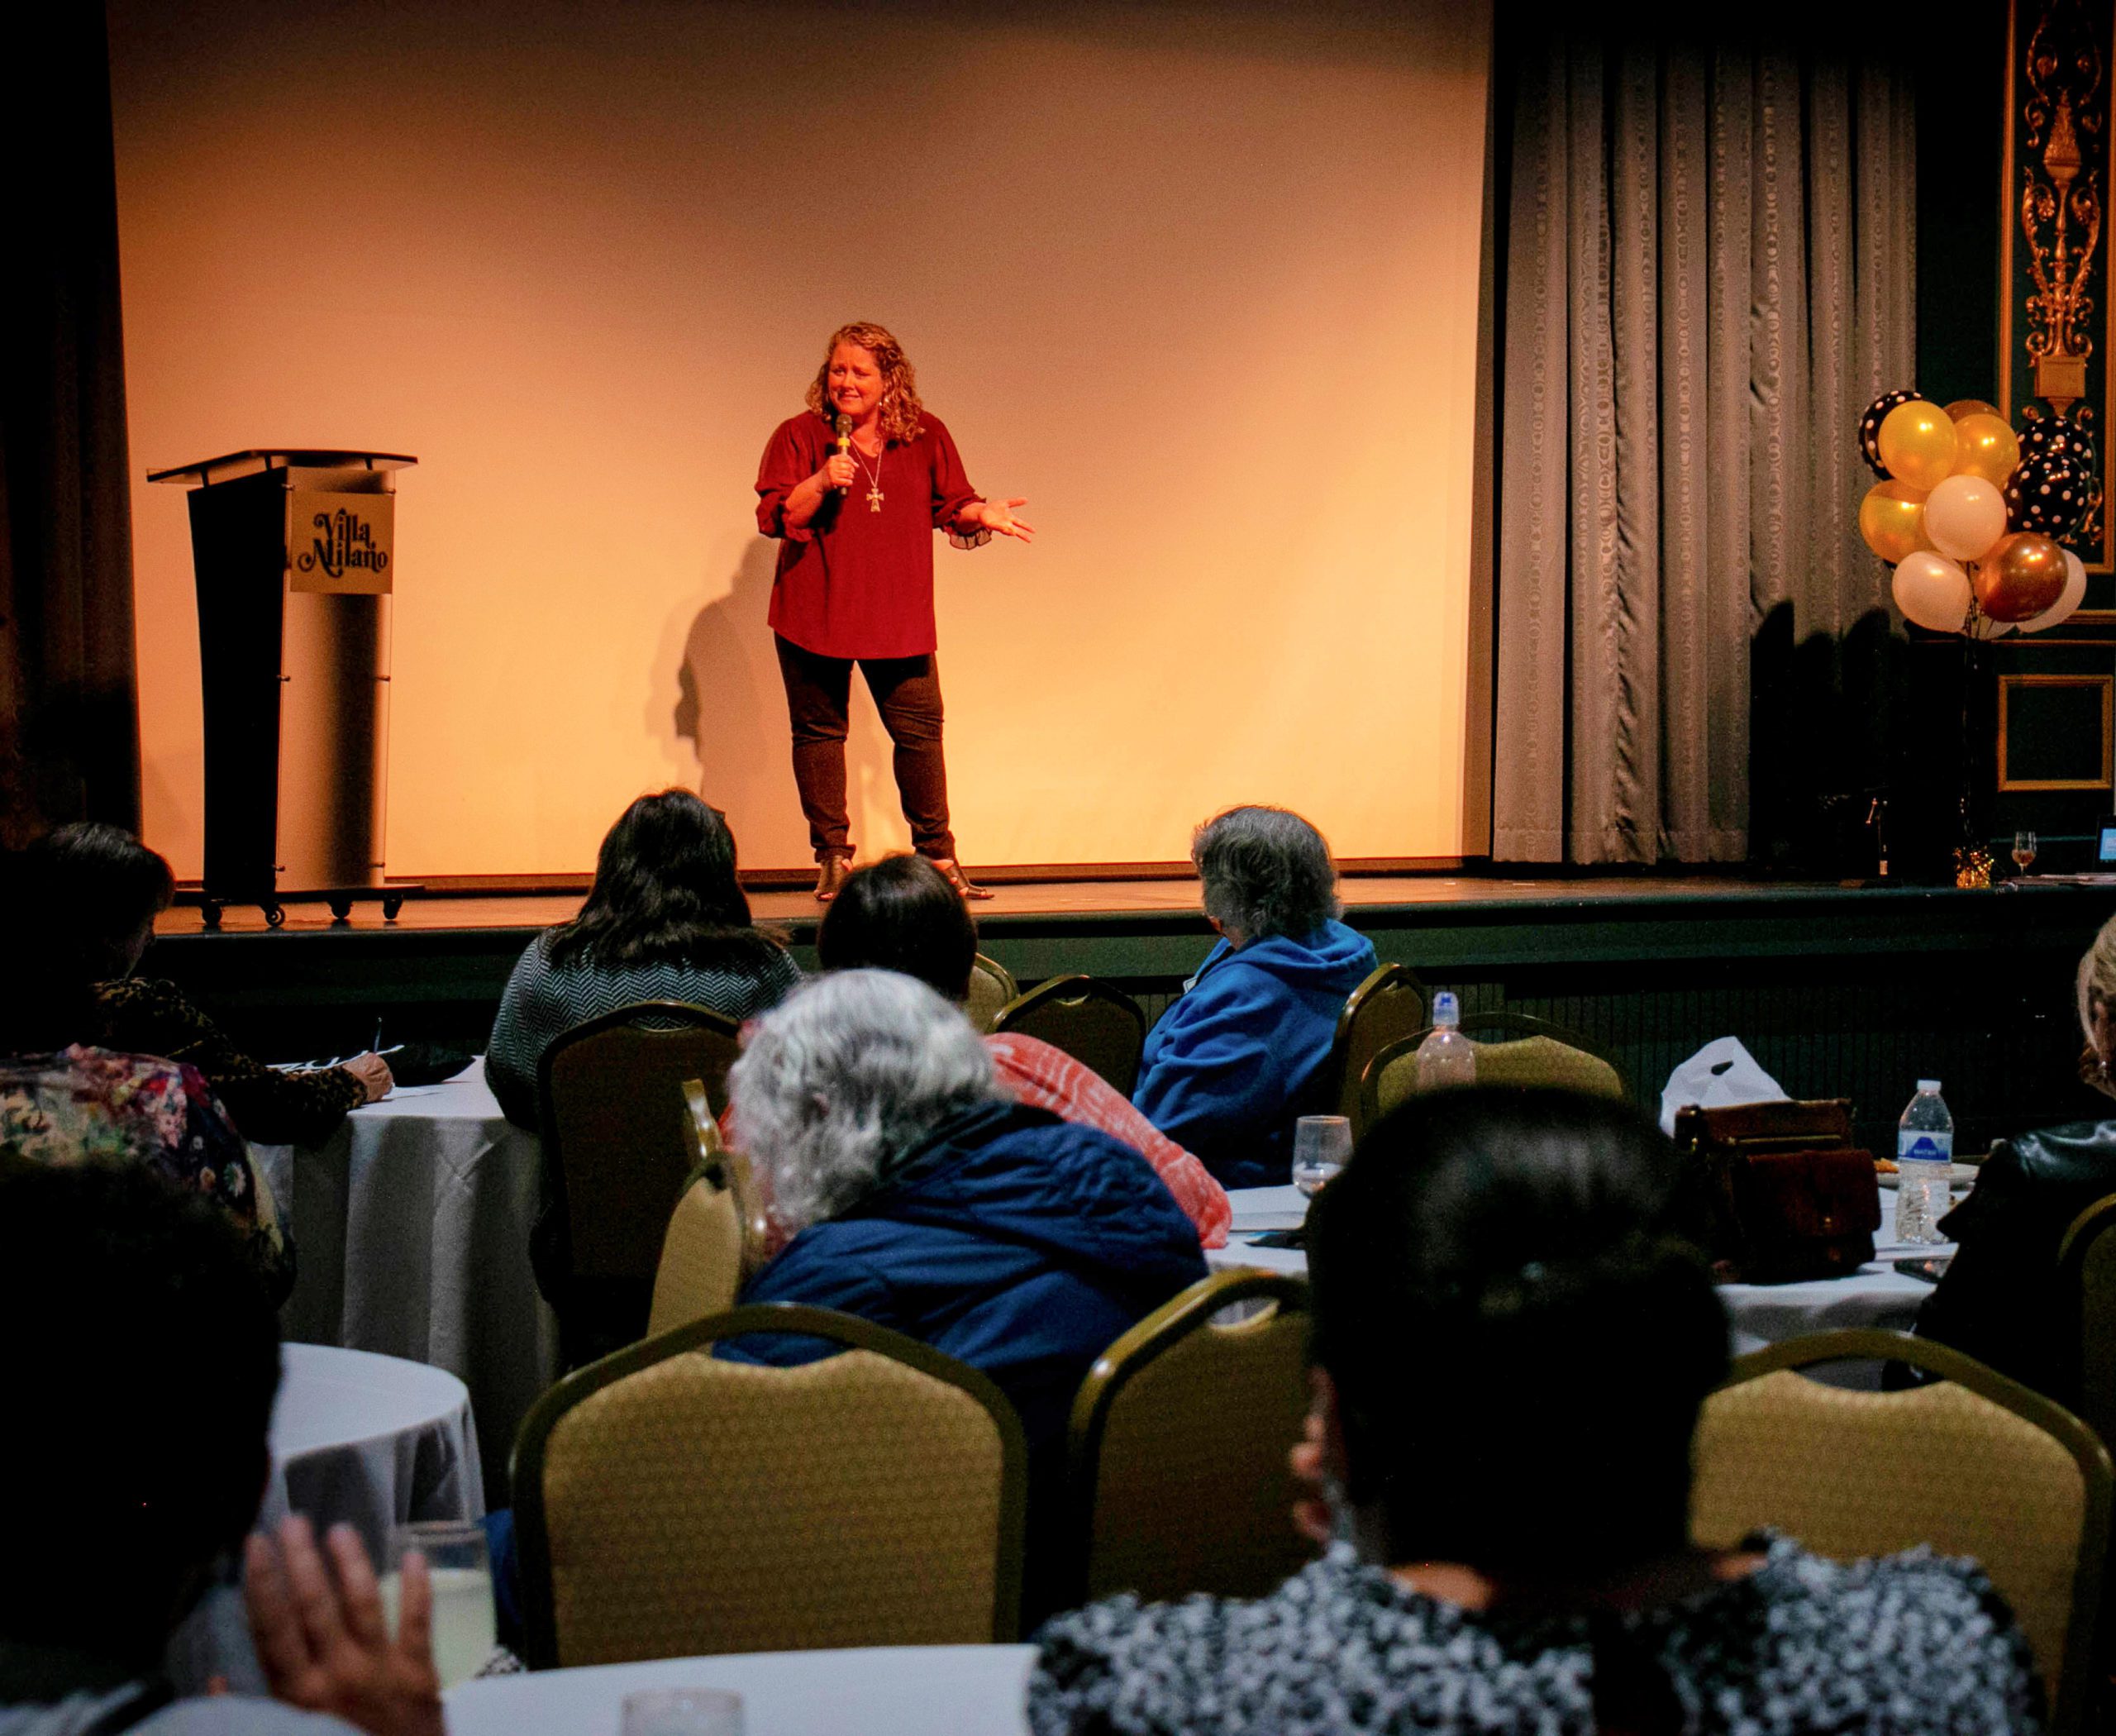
point(1924, 1162)
point(1446, 1057)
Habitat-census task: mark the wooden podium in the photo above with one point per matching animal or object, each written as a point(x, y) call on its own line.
point(294, 552)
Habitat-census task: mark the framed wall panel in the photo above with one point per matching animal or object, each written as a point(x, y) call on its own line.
point(2054, 732)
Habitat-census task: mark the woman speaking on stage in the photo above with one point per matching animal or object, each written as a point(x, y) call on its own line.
point(854, 489)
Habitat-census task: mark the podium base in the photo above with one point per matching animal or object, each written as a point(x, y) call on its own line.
point(341, 899)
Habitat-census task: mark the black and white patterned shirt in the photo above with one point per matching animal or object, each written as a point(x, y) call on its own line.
point(543, 1000)
point(1908, 1645)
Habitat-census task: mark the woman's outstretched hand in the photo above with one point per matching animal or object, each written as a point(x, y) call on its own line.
point(324, 1645)
point(997, 517)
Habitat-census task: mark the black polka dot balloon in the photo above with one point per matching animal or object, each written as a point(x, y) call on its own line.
point(1869, 428)
point(2047, 494)
point(2057, 437)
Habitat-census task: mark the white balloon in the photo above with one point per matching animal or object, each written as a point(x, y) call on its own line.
point(2068, 599)
point(1930, 591)
point(1964, 516)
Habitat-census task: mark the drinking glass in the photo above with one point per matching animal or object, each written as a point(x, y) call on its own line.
point(462, 1575)
point(1321, 1144)
point(682, 1712)
point(2023, 849)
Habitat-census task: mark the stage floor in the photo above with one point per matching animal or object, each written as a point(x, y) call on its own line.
point(1157, 898)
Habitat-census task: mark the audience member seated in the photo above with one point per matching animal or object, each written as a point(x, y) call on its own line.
point(95, 891)
point(1510, 1352)
point(1998, 1299)
point(926, 1202)
point(140, 1358)
point(901, 915)
point(1234, 1063)
point(665, 920)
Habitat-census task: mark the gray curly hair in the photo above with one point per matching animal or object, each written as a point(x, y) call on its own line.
point(1266, 871)
point(840, 1077)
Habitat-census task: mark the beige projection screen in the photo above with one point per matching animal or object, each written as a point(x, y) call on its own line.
point(1201, 283)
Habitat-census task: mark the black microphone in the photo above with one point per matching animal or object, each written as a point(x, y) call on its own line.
point(844, 443)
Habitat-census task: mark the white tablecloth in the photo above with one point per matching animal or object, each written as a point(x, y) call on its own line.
point(410, 1229)
point(371, 1440)
point(896, 1690)
point(1876, 1295)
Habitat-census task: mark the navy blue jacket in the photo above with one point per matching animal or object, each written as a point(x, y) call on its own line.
point(1012, 1241)
point(1234, 1063)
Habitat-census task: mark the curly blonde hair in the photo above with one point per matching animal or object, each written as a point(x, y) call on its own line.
point(900, 409)
point(2097, 977)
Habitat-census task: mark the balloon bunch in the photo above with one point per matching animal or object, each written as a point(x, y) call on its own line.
point(1971, 515)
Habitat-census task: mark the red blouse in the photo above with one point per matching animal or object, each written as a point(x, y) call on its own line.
point(857, 580)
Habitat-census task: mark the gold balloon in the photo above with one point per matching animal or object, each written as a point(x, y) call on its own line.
point(1892, 519)
point(1917, 444)
point(1984, 447)
point(1962, 406)
point(2023, 575)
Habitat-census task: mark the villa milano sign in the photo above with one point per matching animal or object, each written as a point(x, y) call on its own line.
point(341, 542)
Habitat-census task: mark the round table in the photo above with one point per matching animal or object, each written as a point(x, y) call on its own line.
point(882, 1691)
point(411, 1224)
point(1876, 1295)
point(368, 1440)
point(371, 1441)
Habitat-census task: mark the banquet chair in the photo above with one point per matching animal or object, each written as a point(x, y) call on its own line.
point(992, 985)
point(1391, 1002)
point(619, 1142)
point(1177, 1478)
point(671, 1503)
point(1974, 1465)
point(716, 1235)
point(1512, 1049)
point(2086, 1293)
point(1100, 1027)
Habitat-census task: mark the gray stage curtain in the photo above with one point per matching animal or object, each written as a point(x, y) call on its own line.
point(70, 735)
point(1710, 274)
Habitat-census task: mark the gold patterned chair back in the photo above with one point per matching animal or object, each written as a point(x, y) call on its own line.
point(670, 1504)
point(1380, 1011)
point(1974, 1465)
point(716, 1235)
point(1178, 1475)
point(619, 1143)
point(1100, 1026)
point(1512, 1049)
point(992, 985)
point(2086, 1291)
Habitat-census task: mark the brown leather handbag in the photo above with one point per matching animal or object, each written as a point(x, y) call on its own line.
point(1776, 1193)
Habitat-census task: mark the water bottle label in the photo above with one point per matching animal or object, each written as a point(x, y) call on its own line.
point(1923, 1147)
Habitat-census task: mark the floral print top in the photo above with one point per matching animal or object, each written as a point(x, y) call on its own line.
point(87, 1105)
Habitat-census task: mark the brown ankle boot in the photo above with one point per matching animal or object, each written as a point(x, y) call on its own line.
point(832, 873)
point(952, 872)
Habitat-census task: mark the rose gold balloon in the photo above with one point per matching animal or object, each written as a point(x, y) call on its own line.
point(2022, 575)
point(1962, 406)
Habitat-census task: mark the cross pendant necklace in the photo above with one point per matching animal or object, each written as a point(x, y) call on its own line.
point(874, 479)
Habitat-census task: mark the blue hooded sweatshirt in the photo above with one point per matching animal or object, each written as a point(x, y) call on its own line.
point(1234, 1063)
point(1019, 1243)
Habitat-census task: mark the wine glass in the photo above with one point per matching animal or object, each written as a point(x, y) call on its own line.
point(1321, 1144)
point(2023, 849)
point(462, 1577)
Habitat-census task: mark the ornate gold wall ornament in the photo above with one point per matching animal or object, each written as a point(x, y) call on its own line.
point(2057, 154)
